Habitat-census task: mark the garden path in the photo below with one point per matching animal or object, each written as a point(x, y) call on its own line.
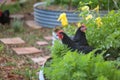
point(17, 45)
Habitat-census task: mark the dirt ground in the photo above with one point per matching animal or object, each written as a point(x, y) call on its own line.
point(16, 67)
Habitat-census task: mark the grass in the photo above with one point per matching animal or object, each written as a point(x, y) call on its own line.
point(18, 8)
point(13, 8)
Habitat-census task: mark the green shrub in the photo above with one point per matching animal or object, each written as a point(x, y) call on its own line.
point(108, 34)
point(17, 25)
point(74, 66)
point(70, 30)
point(104, 4)
point(12, 7)
point(58, 51)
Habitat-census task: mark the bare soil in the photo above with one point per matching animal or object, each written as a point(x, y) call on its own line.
point(13, 66)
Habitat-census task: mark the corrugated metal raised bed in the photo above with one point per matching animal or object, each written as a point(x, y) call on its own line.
point(48, 18)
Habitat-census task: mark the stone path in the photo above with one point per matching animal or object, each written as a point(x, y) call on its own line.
point(26, 50)
point(8, 2)
point(12, 41)
point(22, 50)
point(17, 16)
point(42, 43)
point(32, 24)
point(18, 46)
point(40, 60)
point(48, 38)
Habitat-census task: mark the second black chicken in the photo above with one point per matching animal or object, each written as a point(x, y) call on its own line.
point(71, 44)
point(5, 17)
point(80, 37)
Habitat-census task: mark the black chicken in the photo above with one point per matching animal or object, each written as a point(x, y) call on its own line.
point(71, 44)
point(5, 17)
point(80, 37)
point(75, 46)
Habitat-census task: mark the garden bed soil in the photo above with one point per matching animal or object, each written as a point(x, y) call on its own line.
point(57, 8)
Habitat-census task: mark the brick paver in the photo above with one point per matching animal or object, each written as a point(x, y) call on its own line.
point(41, 43)
point(26, 50)
point(12, 41)
point(40, 60)
point(32, 24)
point(48, 38)
point(8, 2)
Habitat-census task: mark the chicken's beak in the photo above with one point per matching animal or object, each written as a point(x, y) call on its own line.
point(60, 36)
point(83, 29)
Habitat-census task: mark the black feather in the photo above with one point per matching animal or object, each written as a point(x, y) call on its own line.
point(72, 45)
point(80, 38)
point(5, 18)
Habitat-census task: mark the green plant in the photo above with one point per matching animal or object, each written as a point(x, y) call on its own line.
point(104, 4)
point(1, 47)
point(12, 7)
point(31, 74)
point(70, 30)
point(74, 66)
point(105, 36)
point(58, 51)
point(10, 64)
point(17, 25)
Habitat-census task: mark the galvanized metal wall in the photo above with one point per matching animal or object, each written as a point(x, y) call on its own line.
point(48, 18)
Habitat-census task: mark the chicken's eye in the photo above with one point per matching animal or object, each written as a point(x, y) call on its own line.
point(60, 36)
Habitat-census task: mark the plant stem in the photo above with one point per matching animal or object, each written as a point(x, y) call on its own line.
point(108, 6)
point(70, 5)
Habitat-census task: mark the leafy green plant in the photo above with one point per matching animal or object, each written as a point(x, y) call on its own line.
point(74, 66)
point(70, 30)
point(10, 64)
point(17, 25)
point(58, 51)
point(1, 47)
point(12, 7)
point(104, 4)
point(107, 35)
point(31, 74)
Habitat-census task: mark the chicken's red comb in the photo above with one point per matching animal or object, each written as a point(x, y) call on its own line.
point(0, 13)
point(83, 24)
point(60, 31)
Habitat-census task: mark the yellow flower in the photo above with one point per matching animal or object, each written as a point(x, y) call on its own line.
point(78, 24)
point(98, 21)
point(85, 8)
point(63, 19)
point(89, 17)
point(96, 9)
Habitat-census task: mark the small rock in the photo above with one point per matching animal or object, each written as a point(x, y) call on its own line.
point(32, 24)
point(48, 38)
point(42, 43)
point(12, 41)
point(26, 50)
point(40, 60)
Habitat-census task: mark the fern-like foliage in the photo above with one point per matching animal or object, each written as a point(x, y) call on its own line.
point(58, 49)
point(74, 66)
